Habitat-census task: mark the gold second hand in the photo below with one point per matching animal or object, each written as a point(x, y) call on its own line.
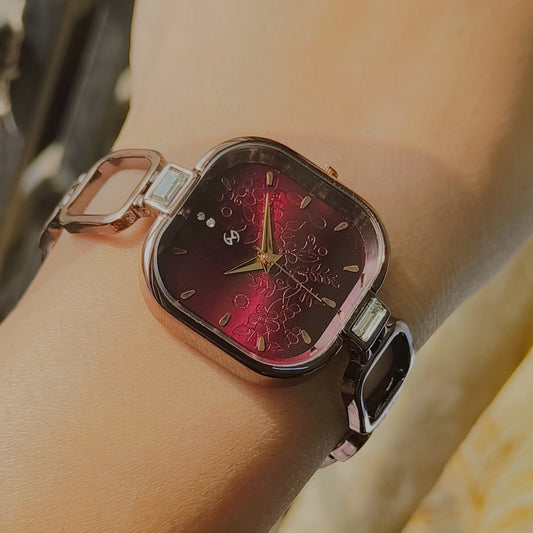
point(299, 283)
point(289, 274)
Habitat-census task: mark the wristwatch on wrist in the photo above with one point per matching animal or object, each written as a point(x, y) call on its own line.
point(268, 259)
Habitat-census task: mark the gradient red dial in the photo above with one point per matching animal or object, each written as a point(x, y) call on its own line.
point(265, 262)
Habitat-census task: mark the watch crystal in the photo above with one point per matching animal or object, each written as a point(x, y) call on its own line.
point(277, 259)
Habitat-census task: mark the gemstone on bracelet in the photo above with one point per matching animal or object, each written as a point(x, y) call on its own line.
point(169, 185)
point(369, 320)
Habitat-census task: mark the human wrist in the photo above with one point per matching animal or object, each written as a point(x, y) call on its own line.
point(140, 396)
point(421, 286)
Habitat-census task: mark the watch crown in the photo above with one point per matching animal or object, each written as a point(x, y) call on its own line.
point(331, 171)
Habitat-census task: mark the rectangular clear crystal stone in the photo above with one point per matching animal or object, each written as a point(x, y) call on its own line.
point(369, 320)
point(168, 186)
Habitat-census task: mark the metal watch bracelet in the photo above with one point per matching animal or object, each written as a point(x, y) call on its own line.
point(380, 347)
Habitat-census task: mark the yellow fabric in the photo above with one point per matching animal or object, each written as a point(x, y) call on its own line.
point(455, 454)
point(487, 486)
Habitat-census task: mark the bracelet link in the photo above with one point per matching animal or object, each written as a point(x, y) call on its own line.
point(85, 188)
point(374, 376)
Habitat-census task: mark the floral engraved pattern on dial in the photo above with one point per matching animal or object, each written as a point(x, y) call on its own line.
point(261, 323)
point(277, 309)
point(241, 301)
point(265, 321)
point(243, 198)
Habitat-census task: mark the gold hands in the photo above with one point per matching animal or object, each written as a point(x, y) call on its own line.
point(266, 237)
point(248, 266)
point(258, 262)
point(267, 245)
point(285, 271)
point(265, 257)
point(268, 259)
point(272, 259)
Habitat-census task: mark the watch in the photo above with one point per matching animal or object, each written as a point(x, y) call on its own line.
point(268, 259)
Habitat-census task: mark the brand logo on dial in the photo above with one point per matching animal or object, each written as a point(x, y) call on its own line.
point(231, 237)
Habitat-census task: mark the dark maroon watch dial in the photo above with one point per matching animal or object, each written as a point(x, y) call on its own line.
point(269, 259)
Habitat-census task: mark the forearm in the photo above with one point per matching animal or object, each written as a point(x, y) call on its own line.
point(425, 110)
point(128, 426)
point(111, 424)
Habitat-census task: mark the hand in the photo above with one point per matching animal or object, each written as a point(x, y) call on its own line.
point(267, 245)
point(248, 266)
point(273, 261)
point(265, 257)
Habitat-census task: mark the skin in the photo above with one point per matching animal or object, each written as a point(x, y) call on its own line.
point(110, 422)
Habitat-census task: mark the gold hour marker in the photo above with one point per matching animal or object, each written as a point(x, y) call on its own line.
point(270, 177)
point(305, 202)
point(178, 251)
point(226, 183)
point(362, 279)
point(341, 226)
point(329, 303)
point(305, 336)
point(261, 344)
point(351, 268)
point(225, 319)
point(187, 294)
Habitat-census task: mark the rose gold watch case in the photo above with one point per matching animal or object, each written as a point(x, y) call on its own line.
point(364, 414)
point(227, 346)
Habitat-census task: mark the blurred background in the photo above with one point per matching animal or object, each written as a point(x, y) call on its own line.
point(64, 92)
point(456, 452)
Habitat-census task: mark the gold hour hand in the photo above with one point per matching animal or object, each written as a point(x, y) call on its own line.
point(248, 266)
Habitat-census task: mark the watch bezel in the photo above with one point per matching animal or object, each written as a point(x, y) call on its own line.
point(212, 334)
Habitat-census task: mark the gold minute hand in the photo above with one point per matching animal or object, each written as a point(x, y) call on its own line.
point(266, 238)
point(267, 245)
